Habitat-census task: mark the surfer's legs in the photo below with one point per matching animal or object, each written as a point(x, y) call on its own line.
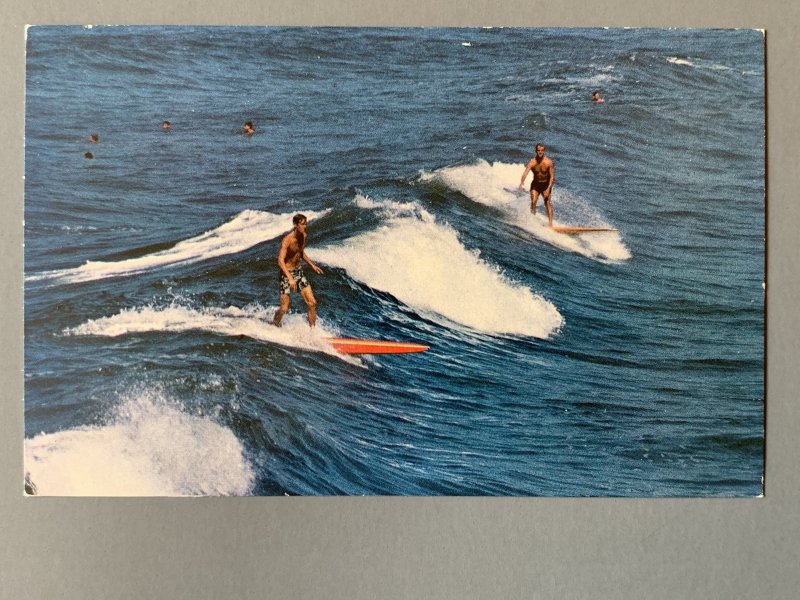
point(534, 200)
point(549, 207)
point(311, 302)
point(284, 308)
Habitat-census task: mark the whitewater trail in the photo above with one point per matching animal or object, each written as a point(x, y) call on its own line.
point(252, 321)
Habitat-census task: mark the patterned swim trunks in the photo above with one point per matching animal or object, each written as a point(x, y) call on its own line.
point(298, 276)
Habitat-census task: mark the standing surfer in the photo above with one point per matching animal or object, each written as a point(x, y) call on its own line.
point(544, 176)
point(292, 276)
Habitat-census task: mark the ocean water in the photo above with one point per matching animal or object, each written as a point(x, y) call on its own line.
point(626, 363)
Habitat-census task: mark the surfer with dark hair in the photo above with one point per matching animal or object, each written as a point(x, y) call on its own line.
point(544, 176)
point(292, 277)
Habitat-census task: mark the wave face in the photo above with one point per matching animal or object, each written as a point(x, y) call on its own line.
point(424, 265)
point(623, 363)
point(245, 230)
point(495, 185)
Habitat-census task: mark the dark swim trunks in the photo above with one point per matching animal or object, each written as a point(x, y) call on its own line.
point(540, 186)
point(298, 276)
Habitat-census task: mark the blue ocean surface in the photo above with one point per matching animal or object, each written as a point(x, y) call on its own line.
point(621, 363)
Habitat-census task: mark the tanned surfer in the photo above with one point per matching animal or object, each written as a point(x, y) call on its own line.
point(292, 276)
point(544, 176)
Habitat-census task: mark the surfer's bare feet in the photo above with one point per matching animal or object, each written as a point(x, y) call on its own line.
point(277, 324)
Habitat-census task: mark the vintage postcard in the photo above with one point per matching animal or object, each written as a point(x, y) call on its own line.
point(394, 262)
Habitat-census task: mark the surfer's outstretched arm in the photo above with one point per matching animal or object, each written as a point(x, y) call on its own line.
point(525, 174)
point(311, 264)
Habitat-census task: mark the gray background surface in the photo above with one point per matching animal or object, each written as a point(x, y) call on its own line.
point(435, 548)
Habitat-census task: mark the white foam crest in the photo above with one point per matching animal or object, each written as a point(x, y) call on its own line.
point(680, 61)
point(252, 321)
point(248, 228)
point(392, 209)
point(602, 76)
point(594, 80)
point(424, 265)
point(698, 64)
point(496, 184)
point(150, 448)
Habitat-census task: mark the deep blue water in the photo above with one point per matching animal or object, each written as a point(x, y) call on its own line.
point(628, 363)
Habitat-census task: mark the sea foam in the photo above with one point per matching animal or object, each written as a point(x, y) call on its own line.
point(423, 264)
point(245, 230)
point(495, 185)
point(150, 447)
point(252, 321)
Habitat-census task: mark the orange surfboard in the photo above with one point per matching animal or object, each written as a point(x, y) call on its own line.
point(356, 346)
point(573, 230)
